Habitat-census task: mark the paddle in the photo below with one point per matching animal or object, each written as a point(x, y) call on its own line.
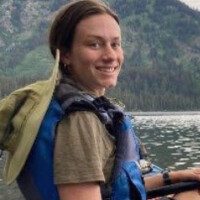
point(173, 188)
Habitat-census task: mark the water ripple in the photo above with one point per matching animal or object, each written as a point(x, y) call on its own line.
point(172, 140)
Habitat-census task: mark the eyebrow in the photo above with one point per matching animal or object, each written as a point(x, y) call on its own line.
point(101, 38)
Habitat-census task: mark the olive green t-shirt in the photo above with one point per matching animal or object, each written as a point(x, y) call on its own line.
point(84, 150)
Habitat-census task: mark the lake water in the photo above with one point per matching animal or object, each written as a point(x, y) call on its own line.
point(172, 140)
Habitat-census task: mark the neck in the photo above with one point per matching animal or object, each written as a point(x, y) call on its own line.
point(93, 91)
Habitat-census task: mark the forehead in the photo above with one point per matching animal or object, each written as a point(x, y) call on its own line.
point(102, 25)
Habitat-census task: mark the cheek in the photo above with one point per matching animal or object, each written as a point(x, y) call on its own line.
point(85, 58)
point(122, 57)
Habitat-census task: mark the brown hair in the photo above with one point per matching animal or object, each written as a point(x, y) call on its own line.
point(63, 28)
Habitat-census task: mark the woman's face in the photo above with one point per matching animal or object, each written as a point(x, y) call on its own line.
point(96, 56)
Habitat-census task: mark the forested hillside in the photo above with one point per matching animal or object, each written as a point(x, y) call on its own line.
point(161, 39)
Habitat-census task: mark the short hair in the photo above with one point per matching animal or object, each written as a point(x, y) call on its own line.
point(63, 27)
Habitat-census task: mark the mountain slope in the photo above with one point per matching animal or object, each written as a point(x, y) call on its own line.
point(161, 41)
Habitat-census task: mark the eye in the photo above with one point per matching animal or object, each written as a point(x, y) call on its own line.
point(116, 44)
point(95, 44)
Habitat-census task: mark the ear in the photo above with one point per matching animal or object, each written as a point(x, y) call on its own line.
point(65, 58)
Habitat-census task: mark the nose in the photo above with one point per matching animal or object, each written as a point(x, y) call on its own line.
point(109, 53)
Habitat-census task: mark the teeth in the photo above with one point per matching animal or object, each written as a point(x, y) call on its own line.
point(110, 69)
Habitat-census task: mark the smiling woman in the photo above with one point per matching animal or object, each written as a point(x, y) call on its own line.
point(65, 139)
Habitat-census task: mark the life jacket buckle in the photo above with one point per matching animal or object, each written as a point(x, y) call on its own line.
point(145, 166)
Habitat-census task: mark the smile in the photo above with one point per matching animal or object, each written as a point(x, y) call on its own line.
point(106, 69)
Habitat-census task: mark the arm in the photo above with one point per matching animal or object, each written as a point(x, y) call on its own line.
point(79, 156)
point(175, 177)
point(82, 191)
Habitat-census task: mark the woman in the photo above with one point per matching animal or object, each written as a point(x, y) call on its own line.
point(77, 153)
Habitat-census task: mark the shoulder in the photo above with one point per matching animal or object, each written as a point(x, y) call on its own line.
point(84, 126)
point(82, 119)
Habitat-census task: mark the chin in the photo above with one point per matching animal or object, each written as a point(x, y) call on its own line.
point(110, 85)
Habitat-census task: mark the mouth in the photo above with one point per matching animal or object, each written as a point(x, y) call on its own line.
point(107, 69)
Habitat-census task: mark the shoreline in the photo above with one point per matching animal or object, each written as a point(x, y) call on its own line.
point(162, 113)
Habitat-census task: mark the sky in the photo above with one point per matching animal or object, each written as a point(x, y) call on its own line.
point(192, 3)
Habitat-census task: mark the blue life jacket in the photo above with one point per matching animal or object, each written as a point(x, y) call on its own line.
point(36, 179)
